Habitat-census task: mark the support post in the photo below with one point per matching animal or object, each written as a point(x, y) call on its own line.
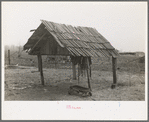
point(88, 75)
point(41, 71)
point(9, 57)
point(38, 62)
point(90, 72)
point(114, 65)
point(78, 72)
point(74, 71)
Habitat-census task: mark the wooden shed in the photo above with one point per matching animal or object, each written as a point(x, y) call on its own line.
point(78, 42)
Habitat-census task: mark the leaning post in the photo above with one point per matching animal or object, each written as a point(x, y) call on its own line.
point(114, 65)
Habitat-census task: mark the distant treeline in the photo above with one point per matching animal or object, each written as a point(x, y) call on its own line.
point(127, 53)
point(140, 54)
point(13, 48)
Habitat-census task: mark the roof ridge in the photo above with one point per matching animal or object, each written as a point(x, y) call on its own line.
point(67, 24)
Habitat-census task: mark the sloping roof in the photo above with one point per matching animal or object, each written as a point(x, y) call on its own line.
point(79, 41)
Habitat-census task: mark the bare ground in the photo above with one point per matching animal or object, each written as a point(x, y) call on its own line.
point(23, 84)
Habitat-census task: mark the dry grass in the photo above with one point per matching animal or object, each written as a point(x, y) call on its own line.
point(24, 84)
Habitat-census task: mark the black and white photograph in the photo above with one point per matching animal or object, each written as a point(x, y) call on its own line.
point(74, 60)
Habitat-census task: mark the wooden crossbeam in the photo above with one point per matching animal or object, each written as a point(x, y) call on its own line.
point(37, 42)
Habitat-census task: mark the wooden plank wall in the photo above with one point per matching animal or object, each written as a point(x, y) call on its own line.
point(51, 47)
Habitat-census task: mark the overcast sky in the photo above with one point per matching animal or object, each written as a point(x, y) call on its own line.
point(124, 24)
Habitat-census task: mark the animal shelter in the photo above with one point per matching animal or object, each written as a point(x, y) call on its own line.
point(80, 43)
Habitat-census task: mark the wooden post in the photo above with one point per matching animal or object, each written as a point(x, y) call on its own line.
point(88, 76)
point(90, 72)
point(114, 64)
point(74, 71)
point(9, 57)
point(41, 71)
point(78, 72)
point(38, 62)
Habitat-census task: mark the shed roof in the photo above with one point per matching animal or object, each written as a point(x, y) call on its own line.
point(79, 41)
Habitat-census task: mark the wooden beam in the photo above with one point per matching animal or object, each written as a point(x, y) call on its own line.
point(74, 71)
point(37, 42)
point(90, 72)
point(55, 37)
point(88, 76)
point(114, 65)
point(78, 72)
point(38, 62)
point(41, 70)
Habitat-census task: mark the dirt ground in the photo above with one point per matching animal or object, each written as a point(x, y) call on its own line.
point(23, 84)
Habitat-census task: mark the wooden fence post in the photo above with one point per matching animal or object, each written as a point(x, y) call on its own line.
point(9, 57)
point(74, 71)
point(41, 71)
point(114, 65)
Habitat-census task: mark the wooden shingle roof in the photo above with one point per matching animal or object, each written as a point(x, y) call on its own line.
point(79, 41)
